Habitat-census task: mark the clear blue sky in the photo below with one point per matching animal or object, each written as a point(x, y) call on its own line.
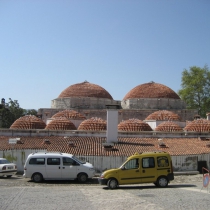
point(48, 45)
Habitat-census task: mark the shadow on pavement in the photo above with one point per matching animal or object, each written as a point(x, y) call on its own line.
point(143, 187)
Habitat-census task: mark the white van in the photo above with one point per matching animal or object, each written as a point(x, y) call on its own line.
point(57, 166)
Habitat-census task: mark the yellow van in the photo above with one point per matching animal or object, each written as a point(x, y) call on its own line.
point(147, 167)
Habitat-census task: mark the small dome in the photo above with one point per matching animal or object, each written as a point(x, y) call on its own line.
point(85, 89)
point(199, 125)
point(60, 123)
point(151, 90)
point(28, 122)
point(95, 124)
point(168, 126)
point(69, 114)
point(134, 125)
point(163, 115)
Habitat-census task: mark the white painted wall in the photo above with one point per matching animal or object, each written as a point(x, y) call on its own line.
point(102, 163)
point(112, 122)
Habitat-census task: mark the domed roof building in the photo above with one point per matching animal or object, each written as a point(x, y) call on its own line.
point(28, 122)
point(168, 126)
point(163, 115)
point(60, 123)
point(94, 124)
point(134, 125)
point(69, 114)
point(198, 125)
point(83, 95)
point(85, 89)
point(152, 96)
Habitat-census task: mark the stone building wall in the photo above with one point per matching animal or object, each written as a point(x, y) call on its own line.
point(153, 103)
point(82, 103)
point(123, 114)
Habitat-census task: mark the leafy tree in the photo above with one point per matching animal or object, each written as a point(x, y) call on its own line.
point(11, 111)
point(196, 89)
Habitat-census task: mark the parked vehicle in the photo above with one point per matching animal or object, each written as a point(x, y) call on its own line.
point(7, 168)
point(57, 166)
point(147, 167)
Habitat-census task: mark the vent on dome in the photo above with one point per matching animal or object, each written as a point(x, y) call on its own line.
point(161, 143)
point(46, 141)
point(71, 144)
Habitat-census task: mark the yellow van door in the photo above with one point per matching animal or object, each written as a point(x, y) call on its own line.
point(148, 170)
point(130, 172)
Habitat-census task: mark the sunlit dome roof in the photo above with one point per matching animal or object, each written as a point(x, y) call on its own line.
point(85, 89)
point(133, 125)
point(60, 123)
point(163, 115)
point(151, 90)
point(198, 125)
point(28, 122)
point(168, 126)
point(94, 123)
point(69, 114)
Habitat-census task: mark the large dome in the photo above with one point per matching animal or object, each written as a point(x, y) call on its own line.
point(60, 123)
point(85, 89)
point(134, 125)
point(168, 126)
point(199, 125)
point(151, 90)
point(163, 115)
point(28, 122)
point(94, 123)
point(69, 114)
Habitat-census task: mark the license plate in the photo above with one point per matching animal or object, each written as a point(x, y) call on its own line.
point(10, 167)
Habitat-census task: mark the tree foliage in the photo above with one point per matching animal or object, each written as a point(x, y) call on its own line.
point(196, 89)
point(11, 111)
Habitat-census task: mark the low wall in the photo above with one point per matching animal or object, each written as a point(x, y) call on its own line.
point(102, 163)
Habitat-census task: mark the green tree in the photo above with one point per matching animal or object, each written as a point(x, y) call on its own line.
point(30, 112)
point(9, 112)
point(196, 89)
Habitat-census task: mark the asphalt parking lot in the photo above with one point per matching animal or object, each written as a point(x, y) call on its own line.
point(185, 192)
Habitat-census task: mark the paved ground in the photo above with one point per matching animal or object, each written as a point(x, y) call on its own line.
point(21, 194)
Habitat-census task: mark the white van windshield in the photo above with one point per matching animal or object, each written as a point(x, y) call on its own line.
point(78, 160)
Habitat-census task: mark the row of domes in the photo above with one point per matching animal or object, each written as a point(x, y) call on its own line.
point(147, 90)
point(62, 121)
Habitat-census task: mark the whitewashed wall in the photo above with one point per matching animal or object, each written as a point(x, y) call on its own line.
point(102, 163)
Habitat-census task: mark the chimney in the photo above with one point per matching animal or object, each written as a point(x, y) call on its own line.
point(208, 116)
point(112, 122)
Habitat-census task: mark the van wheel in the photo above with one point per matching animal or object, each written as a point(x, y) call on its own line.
point(162, 181)
point(37, 177)
point(112, 184)
point(82, 178)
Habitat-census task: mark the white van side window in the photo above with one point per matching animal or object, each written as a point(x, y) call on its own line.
point(37, 161)
point(68, 161)
point(148, 162)
point(53, 161)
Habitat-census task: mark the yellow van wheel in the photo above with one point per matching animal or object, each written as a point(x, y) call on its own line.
point(112, 183)
point(162, 181)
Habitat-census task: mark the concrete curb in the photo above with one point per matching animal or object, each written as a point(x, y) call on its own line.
point(178, 173)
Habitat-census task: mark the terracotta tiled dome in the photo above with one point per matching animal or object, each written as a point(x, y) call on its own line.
point(151, 90)
point(134, 125)
point(28, 122)
point(199, 125)
point(163, 115)
point(60, 123)
point(85, 89)
point(168, 126)
point(69, 114)
point(95, 124)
